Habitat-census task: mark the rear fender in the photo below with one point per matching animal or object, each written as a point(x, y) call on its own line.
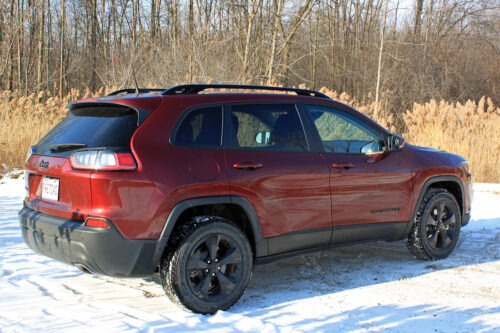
point(261, 246)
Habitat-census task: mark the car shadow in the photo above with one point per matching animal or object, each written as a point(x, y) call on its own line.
point(423, 318)
point(331, 271)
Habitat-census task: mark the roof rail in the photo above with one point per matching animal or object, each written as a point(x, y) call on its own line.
point(133, 91)
point(196, 88)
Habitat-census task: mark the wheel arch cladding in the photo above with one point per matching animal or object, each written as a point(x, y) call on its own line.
point(450, 183)
point(234, 208)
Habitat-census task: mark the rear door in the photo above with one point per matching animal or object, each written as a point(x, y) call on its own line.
point(269, 163)
point(53, 187)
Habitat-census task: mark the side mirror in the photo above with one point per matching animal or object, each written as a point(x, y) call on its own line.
point(395, 142)
point(263, 138)
point(372, 148)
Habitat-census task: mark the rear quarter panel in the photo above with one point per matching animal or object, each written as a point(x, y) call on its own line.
point(167, 168)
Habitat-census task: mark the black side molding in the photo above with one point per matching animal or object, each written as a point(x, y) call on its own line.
point(341, 236)
point(306, 240)
point(299, 240)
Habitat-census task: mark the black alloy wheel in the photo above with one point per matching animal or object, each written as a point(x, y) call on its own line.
point(437, 227)
point(441, 226)
point(214, 267)
point(210, 267)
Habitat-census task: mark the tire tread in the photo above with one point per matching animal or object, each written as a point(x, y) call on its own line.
point(414, 239)
point(172, 255)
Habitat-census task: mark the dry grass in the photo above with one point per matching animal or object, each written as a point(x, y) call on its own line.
point(471, 130)
point(26, 119)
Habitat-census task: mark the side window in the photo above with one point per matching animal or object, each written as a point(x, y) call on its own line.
point(268, 127)
point(342, 132)
point(200, 128)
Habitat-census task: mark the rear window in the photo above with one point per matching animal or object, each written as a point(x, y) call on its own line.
point(267, 127)
point(93, 126)
point(200, 128)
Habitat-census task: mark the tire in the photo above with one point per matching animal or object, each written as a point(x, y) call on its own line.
point(209, 266)
point(437, 227)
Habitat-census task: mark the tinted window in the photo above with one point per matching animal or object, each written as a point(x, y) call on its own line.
point(200, 128)
point(275, 127)
point(342, 132)
point(94, 127)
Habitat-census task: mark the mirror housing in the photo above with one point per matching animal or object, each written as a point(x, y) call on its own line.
point(373, 148)
point(395, 142)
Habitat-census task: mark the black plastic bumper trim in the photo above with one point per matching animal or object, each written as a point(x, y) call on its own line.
point(465, 219)
point(103, 251)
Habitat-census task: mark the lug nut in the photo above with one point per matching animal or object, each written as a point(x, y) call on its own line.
point(206, 270)
point(213, 274)
point(216, 260)
point(209, 261)
point(218, 267)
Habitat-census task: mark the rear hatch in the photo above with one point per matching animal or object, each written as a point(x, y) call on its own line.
point(59, 168)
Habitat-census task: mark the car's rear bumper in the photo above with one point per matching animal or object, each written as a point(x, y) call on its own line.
point(98, 250)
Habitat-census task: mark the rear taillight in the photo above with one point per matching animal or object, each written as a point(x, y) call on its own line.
point(102, 160)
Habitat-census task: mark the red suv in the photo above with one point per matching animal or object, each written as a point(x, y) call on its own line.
point(197, 187)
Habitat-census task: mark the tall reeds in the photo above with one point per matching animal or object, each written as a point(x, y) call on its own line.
point(471, 129)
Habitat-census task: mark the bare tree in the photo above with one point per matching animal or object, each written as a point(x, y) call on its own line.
point(340, 44)
point(61, 49)
point(381, 51)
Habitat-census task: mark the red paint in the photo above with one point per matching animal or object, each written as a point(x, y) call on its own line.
point(289, 193)
point(204, 168)
point(370, 185)
point(74, 188)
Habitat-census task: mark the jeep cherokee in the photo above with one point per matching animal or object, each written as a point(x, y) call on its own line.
point(196, 187)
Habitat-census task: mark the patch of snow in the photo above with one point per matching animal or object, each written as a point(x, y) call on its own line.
point(363, 288)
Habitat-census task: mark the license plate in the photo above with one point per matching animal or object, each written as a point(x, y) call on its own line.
point(50, 188)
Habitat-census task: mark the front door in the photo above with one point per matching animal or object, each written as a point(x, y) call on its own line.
point(371, 187)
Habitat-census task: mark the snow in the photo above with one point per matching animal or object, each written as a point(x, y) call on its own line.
point(363, 288)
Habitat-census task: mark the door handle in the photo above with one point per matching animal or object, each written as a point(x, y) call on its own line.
point(346, 165)
point(248, 165)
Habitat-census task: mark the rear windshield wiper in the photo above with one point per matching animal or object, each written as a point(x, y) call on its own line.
point(62, 147)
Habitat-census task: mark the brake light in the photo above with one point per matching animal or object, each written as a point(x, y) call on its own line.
point(102, 160)
point(96, 223)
